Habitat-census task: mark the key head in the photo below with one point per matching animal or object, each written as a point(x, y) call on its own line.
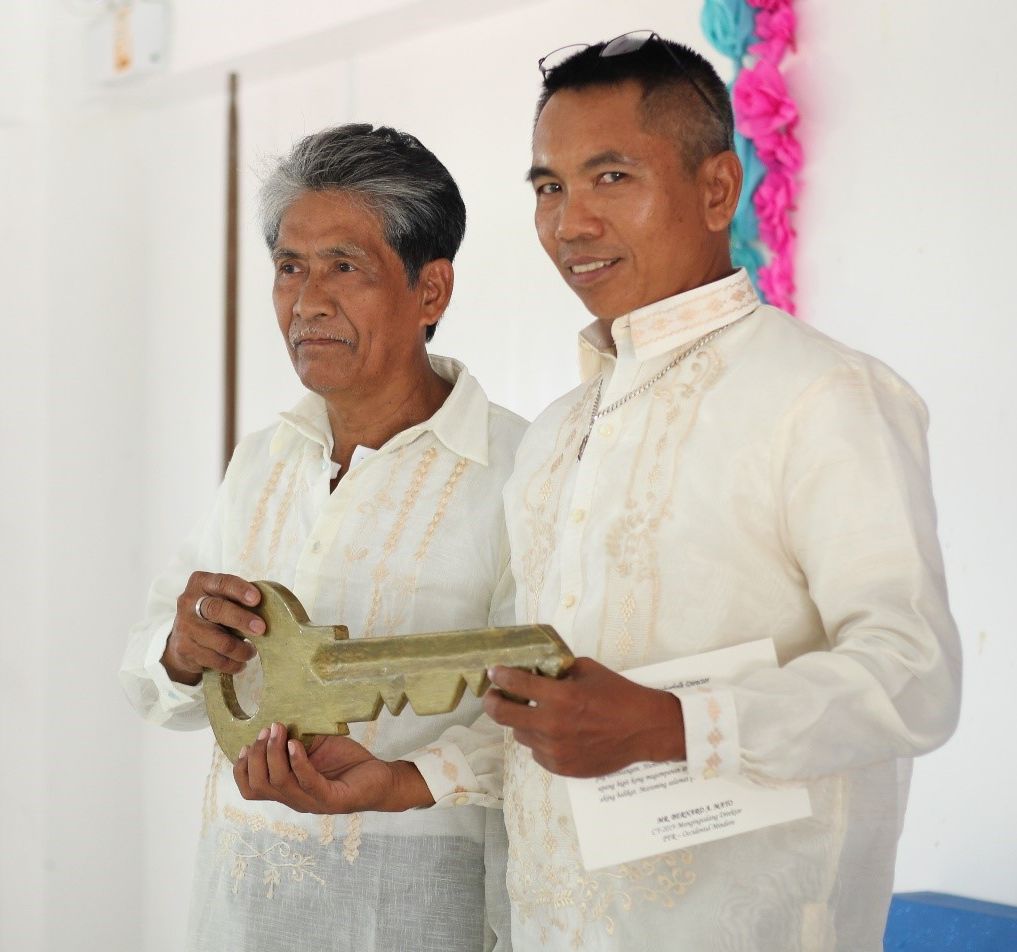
point(291, 692)
point(315, 679)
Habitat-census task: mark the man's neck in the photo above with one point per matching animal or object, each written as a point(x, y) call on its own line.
point(371, 420)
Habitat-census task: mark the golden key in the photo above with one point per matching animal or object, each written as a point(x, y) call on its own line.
point(317, 679)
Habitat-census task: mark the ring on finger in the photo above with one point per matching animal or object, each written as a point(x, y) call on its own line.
point(197, 607)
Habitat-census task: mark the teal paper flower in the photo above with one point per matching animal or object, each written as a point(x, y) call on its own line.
point(753, 171)
point(730, 26)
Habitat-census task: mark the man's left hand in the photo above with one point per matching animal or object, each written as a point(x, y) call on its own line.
point(589, 723)
point(337, 775)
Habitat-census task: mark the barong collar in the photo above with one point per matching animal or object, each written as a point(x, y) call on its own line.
point(461, 422)
point(668, 324)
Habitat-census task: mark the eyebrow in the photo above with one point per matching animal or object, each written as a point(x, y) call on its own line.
point(607, 157)
point(349, 250)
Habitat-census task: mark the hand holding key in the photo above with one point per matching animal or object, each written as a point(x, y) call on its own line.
point(316, 678)
point(210, 605)
point(335, 776)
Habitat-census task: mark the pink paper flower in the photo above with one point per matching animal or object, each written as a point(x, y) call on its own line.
point(776, 31)
point(766, 115)
point(761, 101)
point(776, 281)
point(769, 5)
point(774, 200)
point(780, 148)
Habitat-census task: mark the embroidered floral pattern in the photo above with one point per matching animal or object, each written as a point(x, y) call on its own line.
point(381, 576)
point(277, 859)
point(547, 882)
point(439, 512)
point(696, 313)
point(631, 614)
point(556, 891)
point(261, 511)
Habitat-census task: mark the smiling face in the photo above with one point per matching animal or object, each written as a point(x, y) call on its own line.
point(341, 297)
point(623, 220)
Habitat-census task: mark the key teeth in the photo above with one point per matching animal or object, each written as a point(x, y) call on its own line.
point(427, 693)
point(477, 681)
point(395, 700)
point(443, 693)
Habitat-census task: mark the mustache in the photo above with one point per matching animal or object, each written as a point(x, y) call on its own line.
point(299, 334)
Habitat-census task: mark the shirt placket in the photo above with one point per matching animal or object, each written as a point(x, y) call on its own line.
point(331, 509)
point(579, 500)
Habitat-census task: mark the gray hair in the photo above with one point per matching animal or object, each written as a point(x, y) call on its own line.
point(418, 202)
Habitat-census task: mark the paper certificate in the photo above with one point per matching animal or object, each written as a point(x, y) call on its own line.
point(651, 808)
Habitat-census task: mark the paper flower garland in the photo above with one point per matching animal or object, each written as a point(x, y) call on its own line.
point(765, 117)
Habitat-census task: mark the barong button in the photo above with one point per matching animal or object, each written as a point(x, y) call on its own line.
point(461, 800)
point(606, 429)
point(578, 515)
point(568, 601)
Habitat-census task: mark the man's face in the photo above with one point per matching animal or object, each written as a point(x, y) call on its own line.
point(616, 209)
point(341, 297)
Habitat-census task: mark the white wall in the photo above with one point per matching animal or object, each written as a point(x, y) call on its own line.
point(907, 247)
point(23, 393)
point(112, 405)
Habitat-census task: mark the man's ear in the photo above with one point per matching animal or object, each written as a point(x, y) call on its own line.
point(721, 178)
point(434, 288)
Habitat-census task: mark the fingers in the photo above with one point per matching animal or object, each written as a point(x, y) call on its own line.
point(262, 771)
point(521, 699)
point(522, 684)
point(204, 641)
point(275, 768)
point(309, 779)
point(257, 765)
point(230, 587)
point(277, 757)
point(214, 640)
point(240, 775)
point(225, 600)
point(508, 713)
point(197, 645)
point(219, 609)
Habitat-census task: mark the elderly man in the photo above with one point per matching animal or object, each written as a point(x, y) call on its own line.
point(724, 474)
point(377, 501)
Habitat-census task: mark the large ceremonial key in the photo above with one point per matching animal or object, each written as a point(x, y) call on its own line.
point(317, 679)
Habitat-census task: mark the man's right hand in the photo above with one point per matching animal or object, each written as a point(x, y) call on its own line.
point(196, 643)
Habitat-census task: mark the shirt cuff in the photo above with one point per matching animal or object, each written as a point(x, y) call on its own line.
point(711, 731)
point(449, 776)
point(173, 697)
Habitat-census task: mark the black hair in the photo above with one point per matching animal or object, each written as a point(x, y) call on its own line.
point(682, 93)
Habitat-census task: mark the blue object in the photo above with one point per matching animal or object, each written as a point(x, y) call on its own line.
point(745, 254)
point(746, 251)
point(730, 26)
point(934, 922)
point(753, 171)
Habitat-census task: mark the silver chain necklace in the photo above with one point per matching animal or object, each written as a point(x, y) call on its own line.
point(643, 387)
